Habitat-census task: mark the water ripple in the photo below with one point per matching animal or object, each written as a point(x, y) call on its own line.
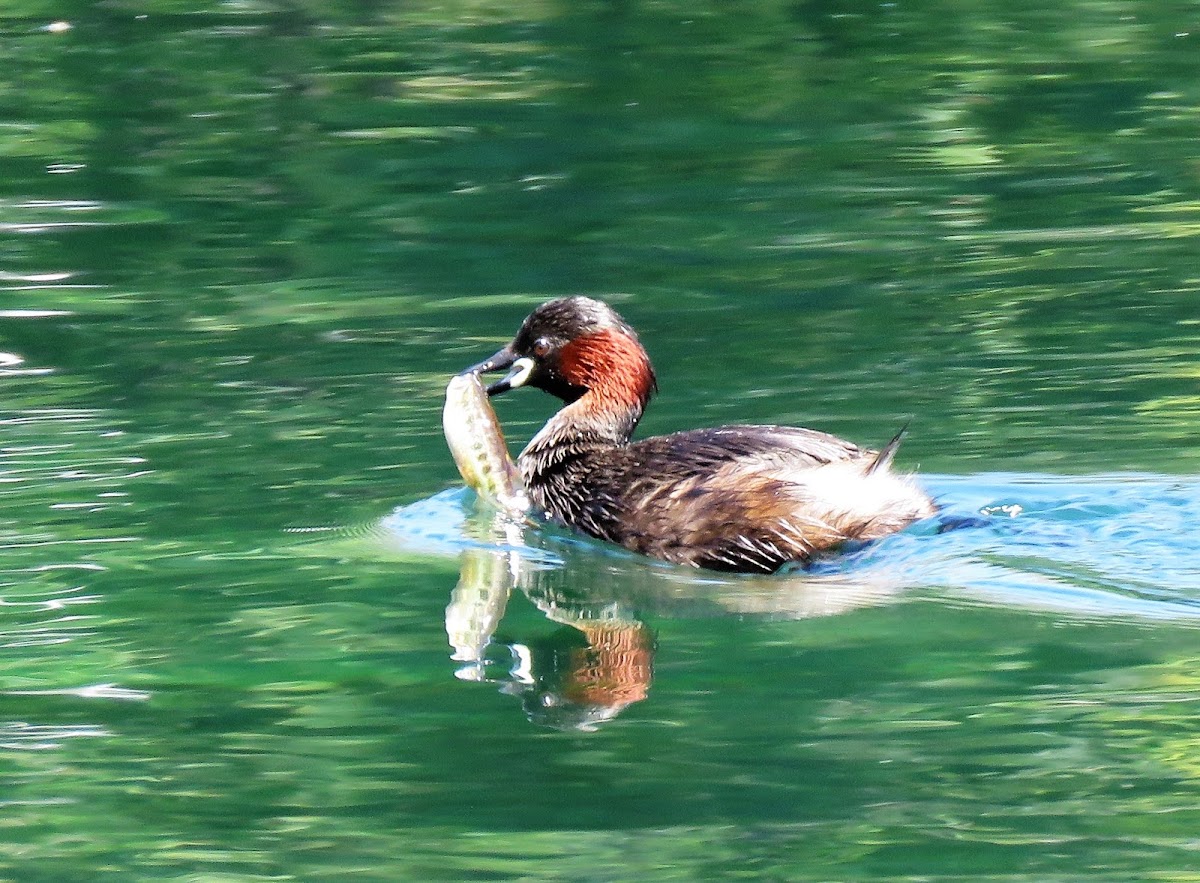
point(1115, 545)
point(91, 691)
point(21, 736)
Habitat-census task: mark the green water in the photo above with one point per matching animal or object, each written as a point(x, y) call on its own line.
point(242, 246)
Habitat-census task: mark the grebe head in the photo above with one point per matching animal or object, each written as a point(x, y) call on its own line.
point(572, 346)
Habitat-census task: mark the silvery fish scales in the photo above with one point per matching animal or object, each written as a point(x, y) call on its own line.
point(478, 447)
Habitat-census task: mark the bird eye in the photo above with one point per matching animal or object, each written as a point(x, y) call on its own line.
point(541, 346)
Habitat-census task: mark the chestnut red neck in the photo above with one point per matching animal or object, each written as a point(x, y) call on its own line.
point(613, 369)
point(617, 374)
point(616, 379)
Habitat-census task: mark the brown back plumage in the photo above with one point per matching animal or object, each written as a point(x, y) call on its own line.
point(740, 498)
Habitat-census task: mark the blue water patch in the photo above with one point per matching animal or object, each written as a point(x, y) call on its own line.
point(1108, 545)
point(454, 521)
point(436, 525)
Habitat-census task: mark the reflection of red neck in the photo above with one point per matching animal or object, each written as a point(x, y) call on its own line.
point(614, 369)
point(616, 667)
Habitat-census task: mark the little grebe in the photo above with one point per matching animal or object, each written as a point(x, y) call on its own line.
point(737, 498)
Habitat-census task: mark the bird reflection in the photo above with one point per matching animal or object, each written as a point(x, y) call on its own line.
point(602, 659)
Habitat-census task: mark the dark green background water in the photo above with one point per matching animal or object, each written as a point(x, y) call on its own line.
point(243, 244)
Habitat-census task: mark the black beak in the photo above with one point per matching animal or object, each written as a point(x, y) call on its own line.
point(499, 362)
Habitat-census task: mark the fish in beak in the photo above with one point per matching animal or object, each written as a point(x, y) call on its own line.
point(518, 369)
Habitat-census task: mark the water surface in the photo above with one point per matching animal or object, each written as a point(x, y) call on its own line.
point(242, 247)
